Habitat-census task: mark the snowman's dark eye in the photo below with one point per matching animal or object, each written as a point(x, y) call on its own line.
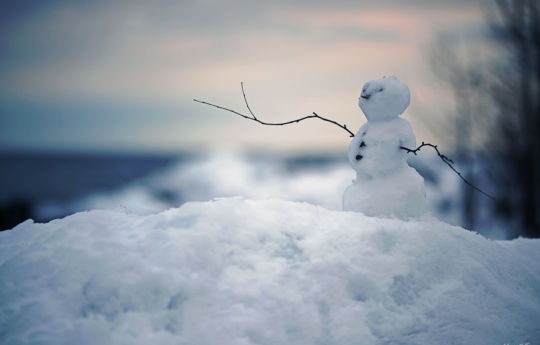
point(381, 89)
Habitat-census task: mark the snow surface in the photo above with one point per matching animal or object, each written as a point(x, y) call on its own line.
point(236, 271)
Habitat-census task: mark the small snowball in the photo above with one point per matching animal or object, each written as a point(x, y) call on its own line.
point(384, 98)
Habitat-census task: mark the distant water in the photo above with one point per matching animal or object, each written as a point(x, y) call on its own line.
point(28, 178)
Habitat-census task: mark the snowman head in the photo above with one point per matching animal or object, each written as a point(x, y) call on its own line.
point(384, 99)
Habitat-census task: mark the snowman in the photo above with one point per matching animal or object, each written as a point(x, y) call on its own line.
point(385, 185)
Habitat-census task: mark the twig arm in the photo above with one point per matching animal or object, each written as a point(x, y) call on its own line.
point(448, 162)
point(254, 118)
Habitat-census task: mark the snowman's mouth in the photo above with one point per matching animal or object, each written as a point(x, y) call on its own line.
point(365, 96)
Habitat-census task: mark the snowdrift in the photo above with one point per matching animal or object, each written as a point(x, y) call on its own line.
point(235, 271)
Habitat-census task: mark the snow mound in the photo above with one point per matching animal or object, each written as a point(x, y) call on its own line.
point(235, 271)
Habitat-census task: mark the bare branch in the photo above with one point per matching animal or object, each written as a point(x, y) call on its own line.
point(314, 115)
point(448, 162)
point(254, 118)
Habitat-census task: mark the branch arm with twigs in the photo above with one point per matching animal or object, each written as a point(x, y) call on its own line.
point(314, 115)
point(448, 162)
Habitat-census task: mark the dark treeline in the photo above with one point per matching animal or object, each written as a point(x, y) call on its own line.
point(497, 117)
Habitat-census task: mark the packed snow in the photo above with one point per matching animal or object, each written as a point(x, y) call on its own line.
point(385, 184)
point(401, 194)
point(237, 271)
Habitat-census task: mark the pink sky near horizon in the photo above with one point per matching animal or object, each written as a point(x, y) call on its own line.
point(294, 60)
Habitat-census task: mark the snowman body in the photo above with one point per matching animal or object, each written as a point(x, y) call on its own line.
point(385, 185)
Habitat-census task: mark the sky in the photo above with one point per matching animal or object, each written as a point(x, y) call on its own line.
point(122, 75)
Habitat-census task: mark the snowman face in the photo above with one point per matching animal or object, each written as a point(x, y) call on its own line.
point(384, 99)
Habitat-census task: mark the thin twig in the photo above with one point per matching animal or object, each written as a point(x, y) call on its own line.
point(245, 100)
point(254, 118)
point(448, 162)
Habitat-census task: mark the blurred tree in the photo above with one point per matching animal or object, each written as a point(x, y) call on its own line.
point(515, 90)
point(497, 113)
point(450, 60)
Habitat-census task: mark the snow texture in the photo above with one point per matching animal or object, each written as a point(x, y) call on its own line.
point(385, 184)
point(235, 271)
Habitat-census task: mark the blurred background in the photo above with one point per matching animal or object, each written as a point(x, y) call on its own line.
point(97, 111)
